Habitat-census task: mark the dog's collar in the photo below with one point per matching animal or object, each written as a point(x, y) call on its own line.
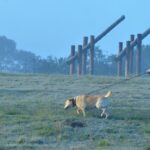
point(74, 102)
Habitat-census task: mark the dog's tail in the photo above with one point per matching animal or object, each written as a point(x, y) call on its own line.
point(108, 94)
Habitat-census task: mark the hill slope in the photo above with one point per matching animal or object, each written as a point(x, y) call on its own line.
point(32, 114)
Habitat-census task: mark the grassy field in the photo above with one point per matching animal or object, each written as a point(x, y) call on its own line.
point(32, 114)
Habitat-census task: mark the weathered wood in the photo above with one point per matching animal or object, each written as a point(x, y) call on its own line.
point(84, 55)
point(92, 55)
point(119, 63)
point(127, 59)
point(134, 43)
point(131, 54)
point(99, 37)
point(72, 64)
point(138, 54)
point(79, 60)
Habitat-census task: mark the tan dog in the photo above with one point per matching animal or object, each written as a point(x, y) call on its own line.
point(86, 101)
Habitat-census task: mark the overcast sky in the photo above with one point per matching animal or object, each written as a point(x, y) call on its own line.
point(49, 27)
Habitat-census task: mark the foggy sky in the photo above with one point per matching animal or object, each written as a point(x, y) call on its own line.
point(49, 27)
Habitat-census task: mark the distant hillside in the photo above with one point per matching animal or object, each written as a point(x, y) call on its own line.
point(14, 60)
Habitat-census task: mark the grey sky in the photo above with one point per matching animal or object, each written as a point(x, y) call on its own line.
point(49, 27)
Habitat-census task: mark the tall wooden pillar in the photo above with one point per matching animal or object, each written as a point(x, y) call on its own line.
point(92, 55)
point(138, 54)
point(131, 54)
point(72, 64)
point(84, 56)
point(119, 63)
point(79, 60)
point(127, 59)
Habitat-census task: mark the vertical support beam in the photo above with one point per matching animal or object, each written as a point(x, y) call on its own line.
point(131, 54)
point(119, 63)
point(79, 60)
point(84, 55)
point(72, 64)
point(127, 59)
point(138, 54)
point(92, 54)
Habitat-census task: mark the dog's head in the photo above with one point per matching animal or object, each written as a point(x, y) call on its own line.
point(69, 103)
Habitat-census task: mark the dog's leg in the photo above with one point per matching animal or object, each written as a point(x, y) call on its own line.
point(78, 111)
point(83, 111)
point(98, 104)
point(103, 112)
point(106, 113)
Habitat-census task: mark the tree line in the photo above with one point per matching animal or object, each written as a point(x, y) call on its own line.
point(16, 60)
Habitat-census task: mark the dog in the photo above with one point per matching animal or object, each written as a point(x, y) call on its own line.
point(83, 102)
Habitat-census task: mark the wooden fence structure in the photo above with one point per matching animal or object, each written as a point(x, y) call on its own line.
point(81, 54)
point(128, 53)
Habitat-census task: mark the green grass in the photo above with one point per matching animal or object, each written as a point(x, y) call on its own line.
point(147, 147)
point(32, 114)
point(146, 128)
point(103, 143)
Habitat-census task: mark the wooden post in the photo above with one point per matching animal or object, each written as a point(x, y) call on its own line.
point(119, 63)
point(84, 55)
point(131, 54)
point(127, 59)
point(92, 55)
point(72, 64)
point(79, 60)
point(138, 54)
